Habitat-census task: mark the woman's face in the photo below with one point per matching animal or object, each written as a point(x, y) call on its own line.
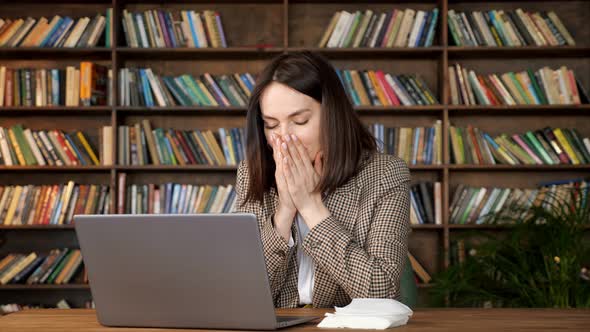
point(287, 111)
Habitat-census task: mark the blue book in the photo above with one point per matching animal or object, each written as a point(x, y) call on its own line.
point(434, 22)
point(190, 14)
point(51, 32)
point(147, 93)
point(175, 198)
point(56, 211)
point(415, 147)
point(229, 201)
point(246, 81)
point(55, 93)
point(168, 197)
point(415, 206)
point(353, 93)
point(76, 151)
point(22, 275)
point(211, 199)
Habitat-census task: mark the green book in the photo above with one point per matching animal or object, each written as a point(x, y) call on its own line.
point(24, 144)
point(520, 88)
point(536, 87)
point(59, 267)
point(532, 140)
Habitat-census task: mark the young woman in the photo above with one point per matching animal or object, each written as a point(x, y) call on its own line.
point(333, 212)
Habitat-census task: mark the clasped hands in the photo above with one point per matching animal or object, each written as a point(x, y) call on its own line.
point(297, 178)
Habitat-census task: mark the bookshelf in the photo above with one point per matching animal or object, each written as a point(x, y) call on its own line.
point(287, 26)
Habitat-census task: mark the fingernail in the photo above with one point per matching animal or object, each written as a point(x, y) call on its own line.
point(294, 137)
point(285, 160)
point(284, 145)
point(287, 138)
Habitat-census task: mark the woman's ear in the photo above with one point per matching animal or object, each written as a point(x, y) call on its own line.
point(318, 162)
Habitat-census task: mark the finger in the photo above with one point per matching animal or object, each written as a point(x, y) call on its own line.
point(288, 173)
point(302, 153)
point(295, 156)
point(288, 157)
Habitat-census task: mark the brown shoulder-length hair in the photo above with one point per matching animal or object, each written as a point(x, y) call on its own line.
point(343, 138)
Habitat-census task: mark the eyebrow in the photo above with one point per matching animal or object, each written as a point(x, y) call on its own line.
point(290, 115)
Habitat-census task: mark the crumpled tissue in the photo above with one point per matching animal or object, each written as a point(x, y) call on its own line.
point(376, 314)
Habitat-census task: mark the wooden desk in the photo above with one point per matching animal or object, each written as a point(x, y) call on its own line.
point(431, 320)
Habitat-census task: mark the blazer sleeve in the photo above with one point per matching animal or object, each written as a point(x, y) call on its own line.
point(277, 252)
point(373, 271)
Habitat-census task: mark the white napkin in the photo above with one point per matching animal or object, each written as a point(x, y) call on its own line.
point(376, 314)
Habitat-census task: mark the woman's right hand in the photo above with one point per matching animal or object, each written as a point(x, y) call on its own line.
point(286, 210)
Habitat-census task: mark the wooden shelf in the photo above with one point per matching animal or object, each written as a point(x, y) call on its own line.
point(457, 52)
point(56, 110)
point(518, 168)
point(36, 227)
point(21, 287)
point(55, 168)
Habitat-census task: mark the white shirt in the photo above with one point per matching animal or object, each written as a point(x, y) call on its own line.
point(306, 268)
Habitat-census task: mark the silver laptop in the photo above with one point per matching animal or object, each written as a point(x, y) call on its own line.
point(182, 271)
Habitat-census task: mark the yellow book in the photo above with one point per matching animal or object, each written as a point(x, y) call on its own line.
point(418, 269)
point(230, 148)
point(66, 269)
point(90, 200)
point(175, 149)
point(13, 204)
point(85, 74)
point(206, 92)
point(214, 144)
point(210, 159)
point(359, 88)
point(329, 30)
point(378, 88)
point(8, 275)
point(566, 145)
point(66, 201)
point(17, 150)
point(205, 199)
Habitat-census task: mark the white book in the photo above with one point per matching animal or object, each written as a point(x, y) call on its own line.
point(339, 29)
point(5, 149)
point(73, 38)
point(34, 147)
point(142, 33)
point(217, 199)
point(399, 92)
point(377, 29)
point(404, 30)
point(67, 197)
point(486, 208)
point(437, 203)
point(49, 147)
point(156, 88)
point(418, 22)
point(130, 29)
point(347, 28)
point(483, 27)
point(198, 22)
point(98, 29)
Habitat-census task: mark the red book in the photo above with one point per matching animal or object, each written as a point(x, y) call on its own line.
point(62, 141)
point(388, 90)
point(182, 143)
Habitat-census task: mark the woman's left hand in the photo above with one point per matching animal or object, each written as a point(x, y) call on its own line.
point(302, 177)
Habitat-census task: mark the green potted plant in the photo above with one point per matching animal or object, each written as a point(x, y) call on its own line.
point(542, 261)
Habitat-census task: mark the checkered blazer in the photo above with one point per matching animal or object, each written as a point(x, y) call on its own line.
point(359, 251)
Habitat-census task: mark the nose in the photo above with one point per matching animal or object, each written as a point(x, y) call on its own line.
point(282, 131)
